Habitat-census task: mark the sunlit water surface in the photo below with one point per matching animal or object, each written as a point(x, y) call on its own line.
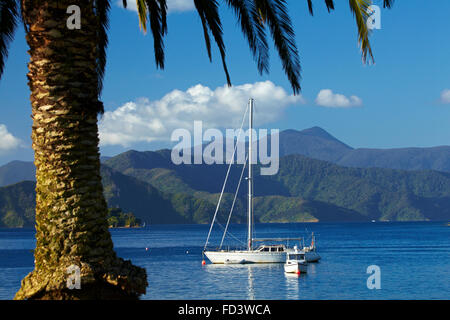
point(414, 259)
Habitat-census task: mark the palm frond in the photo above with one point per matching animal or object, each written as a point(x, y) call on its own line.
point(388, 3)
point(274, 13)
point(158, 22)
point(360, 10)
point(206, 36)
point(8, 23)
point(310, 7)
point(329, 4)
point(142, 13)
point(101, 9)
point(208, 11)
point(255, 34)
point(156, 10)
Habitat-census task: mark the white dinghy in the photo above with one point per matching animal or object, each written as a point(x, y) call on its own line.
point(296, 262)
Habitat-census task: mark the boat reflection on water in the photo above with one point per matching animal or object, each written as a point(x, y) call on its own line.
point(252, 278)
point(312, 268)
point(251, 290)
point(293, 285)
point(253, 273)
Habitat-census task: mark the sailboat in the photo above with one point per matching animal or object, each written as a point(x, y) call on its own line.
point(263, 253)
point(310, 252)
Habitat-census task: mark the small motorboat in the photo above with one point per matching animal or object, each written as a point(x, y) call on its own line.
point(295, 262)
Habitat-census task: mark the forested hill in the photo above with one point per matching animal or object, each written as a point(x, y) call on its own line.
point(369, 193)
point(155, 190)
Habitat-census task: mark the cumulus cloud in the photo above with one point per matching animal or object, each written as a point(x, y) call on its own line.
point(326, 98)
point(146, 121)
point(7, 140)
point(445, 96)
point(172, 5)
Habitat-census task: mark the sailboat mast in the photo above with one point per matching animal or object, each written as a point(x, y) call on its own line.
point(250, 176)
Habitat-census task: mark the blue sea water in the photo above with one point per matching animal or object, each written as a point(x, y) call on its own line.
point(413, 257)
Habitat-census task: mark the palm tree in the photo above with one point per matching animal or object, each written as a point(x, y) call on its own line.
point(65, 78)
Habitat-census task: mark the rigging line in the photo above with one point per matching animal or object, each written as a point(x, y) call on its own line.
point(236, 238)
point(225, 182)
point(234, 201)
point(229, 233)
point(232, 235)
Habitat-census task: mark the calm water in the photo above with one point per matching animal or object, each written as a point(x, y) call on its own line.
point(414, 259)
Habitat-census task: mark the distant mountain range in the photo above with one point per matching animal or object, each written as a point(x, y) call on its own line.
point(16, 171)
point(305, 189)
point(318, 144)
point(315, 143)
point(351, 193)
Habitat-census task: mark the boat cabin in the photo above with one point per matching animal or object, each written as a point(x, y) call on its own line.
point(272, 248)
point(296, 256)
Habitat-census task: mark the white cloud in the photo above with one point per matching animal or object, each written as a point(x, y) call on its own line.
point(7, 140)
point(172, 5)
point(180, 5)
point(326, 98)
point(145, 121)
point(445, 96)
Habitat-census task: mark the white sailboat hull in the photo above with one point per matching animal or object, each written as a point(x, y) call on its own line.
point(245, 256)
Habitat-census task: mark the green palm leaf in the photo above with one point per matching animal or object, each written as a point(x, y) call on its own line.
point(156, 10)
point(101, 9)
point(253, 16)
point(158, 22)
point(142, 12)
point(274, 14)
point(8, 23)
point(209, 14)
point(360, 10)
point(253, 31)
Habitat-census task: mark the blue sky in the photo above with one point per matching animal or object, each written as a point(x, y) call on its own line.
point(400, 101)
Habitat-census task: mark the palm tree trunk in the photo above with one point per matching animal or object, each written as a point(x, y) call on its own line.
point(71, 225)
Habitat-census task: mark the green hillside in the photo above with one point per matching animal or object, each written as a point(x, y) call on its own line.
point(380, 194)
point(17, 203)
point(296, 209)
point(156, 191)
point(149, 205)
point(352, 193)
